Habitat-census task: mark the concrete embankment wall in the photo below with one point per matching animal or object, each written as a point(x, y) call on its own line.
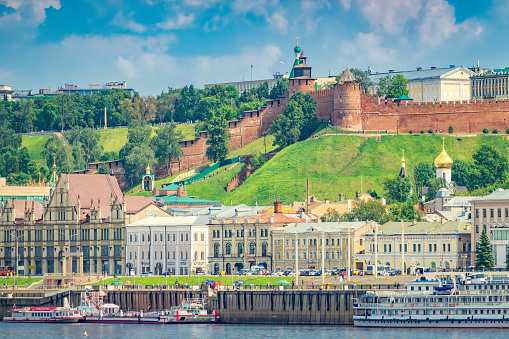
point(306, 307)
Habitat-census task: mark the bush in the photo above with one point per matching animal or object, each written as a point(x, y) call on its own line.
point(451, 129)
point(430, 131)
point(495, 131)
point(411, 132)
point(485, 130)
point(507, 131)
point(422, 131)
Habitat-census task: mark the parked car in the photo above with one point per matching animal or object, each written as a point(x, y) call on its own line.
point(147, 274)
point(393, 272)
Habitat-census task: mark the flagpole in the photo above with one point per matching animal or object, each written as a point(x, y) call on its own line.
point(251, 72)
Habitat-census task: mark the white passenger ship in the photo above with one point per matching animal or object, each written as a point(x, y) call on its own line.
point(64, 314)
point(469, 302)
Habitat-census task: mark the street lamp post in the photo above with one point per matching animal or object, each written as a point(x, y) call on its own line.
point(376, 252)
point(402, 248)
point(349, 255)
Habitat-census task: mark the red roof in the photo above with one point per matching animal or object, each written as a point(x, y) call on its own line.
point(92, 188)
point(20, 205)
point(134, 204)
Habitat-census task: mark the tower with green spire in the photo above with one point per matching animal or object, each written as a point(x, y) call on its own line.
point(297, 51)
point(54, 176)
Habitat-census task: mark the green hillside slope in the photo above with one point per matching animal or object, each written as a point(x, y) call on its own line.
point(111, 140)
point(336, 164)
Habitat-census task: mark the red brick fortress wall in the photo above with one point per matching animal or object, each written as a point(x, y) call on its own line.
point(465, 117)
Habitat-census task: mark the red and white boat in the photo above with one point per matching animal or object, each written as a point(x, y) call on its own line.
point(45, 315)
point(189, 311)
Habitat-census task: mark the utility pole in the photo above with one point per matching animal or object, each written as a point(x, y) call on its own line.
point(296, 261)
point(402, 248)
point(323, 257)
point(307, 197)
point(349, 254)
point(105, 119)
point(376, 252)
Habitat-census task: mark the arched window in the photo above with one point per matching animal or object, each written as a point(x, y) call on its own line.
point(228, 248)
point(202, 255)
point(433, 265)
point(264, 249)
point(240, 249)
point(447, 264)
point(252, 247)
point(216, 250)
point(196, 255)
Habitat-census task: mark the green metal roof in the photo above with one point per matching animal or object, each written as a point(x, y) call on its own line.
point(174, 199)
point(403, 97)
point(170, 187)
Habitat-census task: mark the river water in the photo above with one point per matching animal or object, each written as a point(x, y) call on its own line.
point(216, 331)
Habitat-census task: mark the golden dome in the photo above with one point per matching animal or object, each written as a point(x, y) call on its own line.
point(443, 160)
point(403, 159)
point(148, 168)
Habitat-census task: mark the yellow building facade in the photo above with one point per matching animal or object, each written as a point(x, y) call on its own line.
point(433, 245)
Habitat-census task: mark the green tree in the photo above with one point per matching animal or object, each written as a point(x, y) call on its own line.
point(331, 215)
point(218, 134)
point(166, 145)
point(398, 189)
point(298, 122)
point(103, 169)
point(490, 167)
point(460, 173)
point(46, 117)
point(61, 151)
point(405, 212)
point(89, 141)
point(258, 161)
point(398, 87)
point(279, 89)
point(263, 91)
point(422, 173)
point(483, 257)
point(137, 135)
point(136, 161)
point(369, 210)
point(109, 156)
point(392, 86)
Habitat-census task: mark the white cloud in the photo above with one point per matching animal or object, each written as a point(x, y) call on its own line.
point(181, 21)
point(439, 23)
point(232, 67)
point(258, 7)
point(390, 15)
point(278, 21)
point(366, 49)
point(309, 9)
point(27, 13)
point(128, 23)
point(346, 4)
point(195, 3)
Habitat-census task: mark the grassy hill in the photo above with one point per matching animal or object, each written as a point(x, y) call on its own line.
point(336, 164)
point(111, 140)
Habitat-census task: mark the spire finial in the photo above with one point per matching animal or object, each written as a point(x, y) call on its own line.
point(443, 142)
point(403, 158)
point(54, 163)
point(297, 41)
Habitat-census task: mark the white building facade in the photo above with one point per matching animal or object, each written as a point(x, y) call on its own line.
point(177, 245)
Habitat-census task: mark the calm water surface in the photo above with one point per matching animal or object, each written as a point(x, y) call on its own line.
point(216, 331)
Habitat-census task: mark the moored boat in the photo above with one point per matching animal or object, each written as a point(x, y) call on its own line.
point(190, 311)
point(460, 303)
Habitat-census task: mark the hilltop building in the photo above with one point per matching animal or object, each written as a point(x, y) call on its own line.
point(434, 84)
point(492, 84)
point(94, 89)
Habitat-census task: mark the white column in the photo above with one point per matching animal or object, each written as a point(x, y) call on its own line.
point(402, 248)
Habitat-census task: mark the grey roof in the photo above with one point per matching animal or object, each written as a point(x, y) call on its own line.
point(221, 212)
point(443, 192)
point(455, 216)
point(460, 201)
point(403, 173)
point(325, 226)
point(498, 194)
point(418, 75)
point(170, 221)
point(347, 76)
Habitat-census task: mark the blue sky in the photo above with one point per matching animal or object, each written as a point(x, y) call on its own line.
point(156, 44)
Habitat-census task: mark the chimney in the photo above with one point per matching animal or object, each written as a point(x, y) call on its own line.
point(180, 192)
point(357, 194)
point(278, 207)
point(155, 191)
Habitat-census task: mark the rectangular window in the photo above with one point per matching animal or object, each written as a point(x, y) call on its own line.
point(385, 247)
point(434, 247)
point(414, 247)
point(448, 247)
point(507, 212)
point(443, 247)
point(484, 212)
point(104, 250)
point(278, 243)
point(419, 248)
point(500, 213)
point(117, 250)
point(390, 248)
point(492, 213)
point(477, 212)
